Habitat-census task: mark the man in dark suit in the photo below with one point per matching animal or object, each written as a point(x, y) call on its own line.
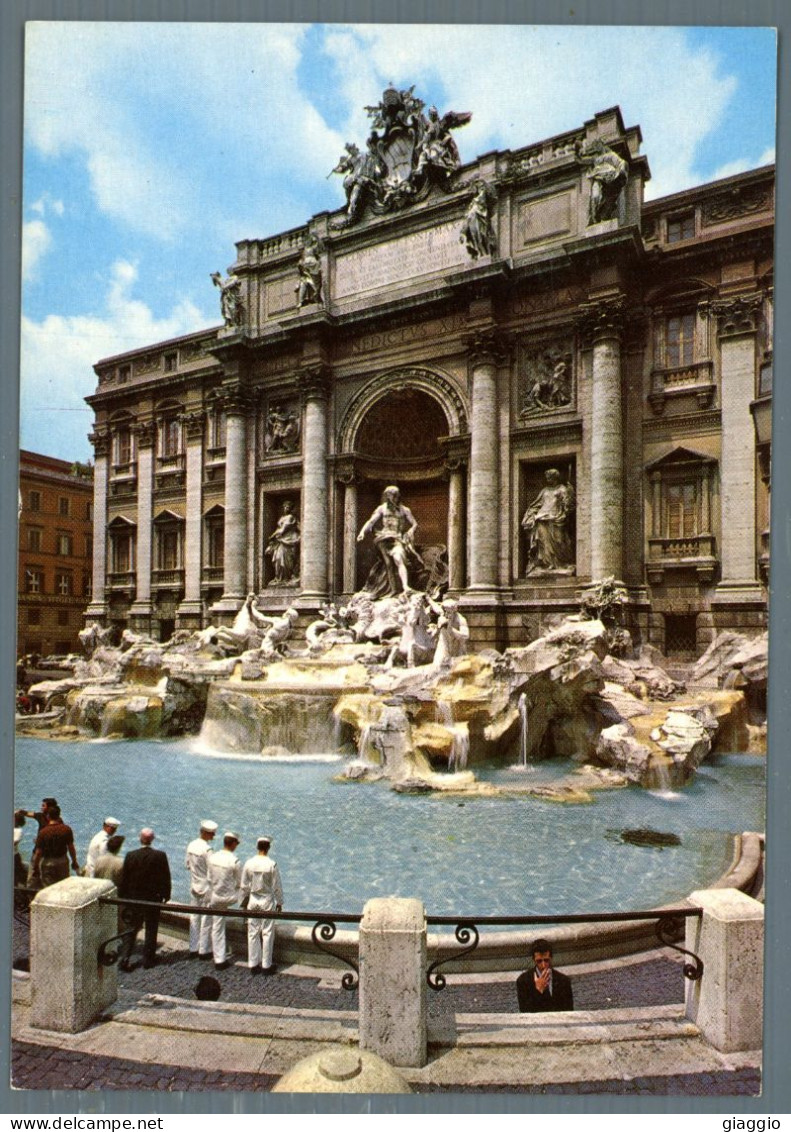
point(145, 876)
point(543, 988)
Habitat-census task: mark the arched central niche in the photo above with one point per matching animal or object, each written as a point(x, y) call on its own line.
point(397, 441)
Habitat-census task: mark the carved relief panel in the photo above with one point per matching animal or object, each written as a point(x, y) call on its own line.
point(545, 382)
point(282, 427)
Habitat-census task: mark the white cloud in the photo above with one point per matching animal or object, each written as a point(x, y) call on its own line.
point(742, 164)
point(36, 241)
point(58, 354)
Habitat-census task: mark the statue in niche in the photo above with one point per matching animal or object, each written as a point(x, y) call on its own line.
point(607, 175)
point(281, 434)
point(477, 231)
point(231, 305)
point(309, 270)
point(283, 548)
point(547, 523)
point(394, 526)
point(551, 385)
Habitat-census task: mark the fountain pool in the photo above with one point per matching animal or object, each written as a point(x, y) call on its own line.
point(338, 844)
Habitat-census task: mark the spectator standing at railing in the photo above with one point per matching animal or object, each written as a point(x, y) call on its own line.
point(109, 866)
point(54, 847)
point(543, 988)
point(197, 862)
point(261, 892)
point(98, 844)
point(145, 876)
point(225, 874)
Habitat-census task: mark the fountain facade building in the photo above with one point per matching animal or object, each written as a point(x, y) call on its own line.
point(565, 383)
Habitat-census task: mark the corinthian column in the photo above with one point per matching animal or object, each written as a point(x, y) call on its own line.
point(606, 480)
point(97, 608)
point(141, 607)
point(191, 607)
point(484, 500)
point(313, 384)
point(235, 558)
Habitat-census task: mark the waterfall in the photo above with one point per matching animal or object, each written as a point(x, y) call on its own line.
point(460, 747)
point(523, 733)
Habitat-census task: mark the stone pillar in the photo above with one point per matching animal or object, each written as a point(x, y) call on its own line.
point(67, 924)
point(97, 607)
point(235, 583)
point(140, 611)
point(349, 533)
point(737, 324)
point(456, 526)
point(191, 607)
point(726, 1003)
point(606, 475)
point(484, 486)
point(313, 567)
point(393, 980)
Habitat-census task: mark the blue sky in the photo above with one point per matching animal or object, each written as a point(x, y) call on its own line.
point(151, 148)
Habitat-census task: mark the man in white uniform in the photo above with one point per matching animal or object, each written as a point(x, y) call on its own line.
point(225, 874)
point(197, 861)
point(262, 891)
point(98, 844)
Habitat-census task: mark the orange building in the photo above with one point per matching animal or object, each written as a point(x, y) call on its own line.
point(55, 553)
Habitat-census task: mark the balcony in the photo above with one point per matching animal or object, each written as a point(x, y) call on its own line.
point(213, 575)
point(692, 552)
point(693, 380)
point(121, 580)
point(167, 579)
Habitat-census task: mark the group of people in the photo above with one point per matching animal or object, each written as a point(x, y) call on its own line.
point(218, 881)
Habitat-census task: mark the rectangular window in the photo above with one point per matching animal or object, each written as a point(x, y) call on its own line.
point(34, 538)
point(216, 548)
point(217, 437)
point(89, 546)
point(680, 341)
point(34, 580)
point(171, 437)
point(171, 362)
point(34, 616)
point(169, 550)
point(63, 506)
point(65, 544)
point(89, 512)
point(681, 503)
point(63, 616)
point(124, 373)
point(63, 585)
point(87, 587)
point(35, 501)
point(681, 228)
point(122, 554)
point(123, 446)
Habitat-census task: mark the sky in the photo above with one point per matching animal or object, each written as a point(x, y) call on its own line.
point(150, 149)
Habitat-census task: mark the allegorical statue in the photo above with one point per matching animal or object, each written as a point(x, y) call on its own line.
point(547, 522)
point(309, 270)
point(362, 171)
point(477, 231)
point(607, 175)
point(283, 548)
point(393, 526)
point(231, 305)
point(436, 149)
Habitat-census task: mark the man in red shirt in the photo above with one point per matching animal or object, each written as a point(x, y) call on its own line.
point(54, 846)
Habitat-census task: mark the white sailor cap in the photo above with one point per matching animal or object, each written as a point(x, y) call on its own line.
point(114, 822)
point(208, 826)
point(229, 835)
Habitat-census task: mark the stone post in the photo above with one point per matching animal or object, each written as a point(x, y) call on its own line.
point(726, 1004)
point(191, 608)
point(393, 980)
point(67, 924)
point(737, 325)
point(484, 494)
point(235, 579)
point(313, 567)
point(97, 607)
point(456, 527)
point(606, 479)
point(140, 611)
